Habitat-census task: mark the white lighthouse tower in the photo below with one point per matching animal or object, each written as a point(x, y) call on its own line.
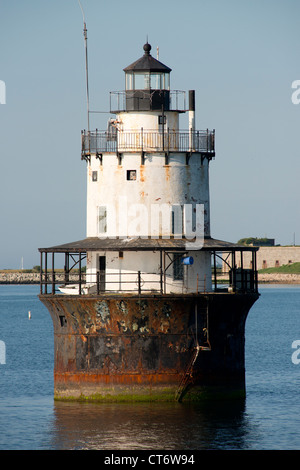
point(146, 318)
point(147, 179)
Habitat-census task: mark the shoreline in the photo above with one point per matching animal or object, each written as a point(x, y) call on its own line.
point(273, 278)
point(18, 277)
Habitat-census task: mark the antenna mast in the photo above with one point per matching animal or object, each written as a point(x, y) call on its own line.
point(86, 67)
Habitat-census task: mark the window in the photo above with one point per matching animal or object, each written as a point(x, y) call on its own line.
point(177, 267)
point(131, 175)
point(276, 263)
point(147, 80)
point(156, 81)
point(129, 81)
point(141, 80)
point(62, 320)
point(264, 264)
point(94, 176)
point(162, 123)
point(102, 219)
point(102, 265)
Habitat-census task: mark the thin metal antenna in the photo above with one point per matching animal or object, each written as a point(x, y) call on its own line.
point(86, 67)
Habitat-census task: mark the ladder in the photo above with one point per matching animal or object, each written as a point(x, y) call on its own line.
point(187, 378)
point(188, 375)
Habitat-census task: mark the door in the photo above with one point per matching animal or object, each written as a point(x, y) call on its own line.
point(102, 263)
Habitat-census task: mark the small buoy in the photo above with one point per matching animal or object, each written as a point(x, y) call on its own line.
point(29, 314)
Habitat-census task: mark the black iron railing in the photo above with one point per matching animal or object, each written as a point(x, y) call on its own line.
point(79, 283)
point(115, 141)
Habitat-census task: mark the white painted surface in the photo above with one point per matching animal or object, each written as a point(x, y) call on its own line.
point(121, 273)
point(129, 195)
point(156, 184)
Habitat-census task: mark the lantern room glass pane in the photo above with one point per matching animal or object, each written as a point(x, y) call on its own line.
point(129, 81)
point(156, 81)
point(147, 80)
point(141, 81)
point(166, 81)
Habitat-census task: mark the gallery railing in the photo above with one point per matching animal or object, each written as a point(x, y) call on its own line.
point(95, 283)
point(116, 141)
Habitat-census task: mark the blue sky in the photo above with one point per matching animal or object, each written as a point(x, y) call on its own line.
point(241, 57)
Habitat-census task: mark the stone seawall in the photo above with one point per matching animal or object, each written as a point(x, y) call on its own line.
point(34, 278)
point(274, 278)
point(19, 278)
point(279, 278)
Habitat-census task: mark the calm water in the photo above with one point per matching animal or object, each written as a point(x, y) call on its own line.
point(269, 418)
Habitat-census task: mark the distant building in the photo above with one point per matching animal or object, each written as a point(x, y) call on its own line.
point(268, 257)
point(264, 242)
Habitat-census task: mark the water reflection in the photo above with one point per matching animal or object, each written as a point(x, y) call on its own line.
point(148, 426)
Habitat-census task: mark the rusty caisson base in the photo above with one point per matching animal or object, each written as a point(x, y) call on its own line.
point(137, 348)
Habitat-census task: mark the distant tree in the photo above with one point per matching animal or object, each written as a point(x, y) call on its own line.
point(256, 241)
point(36, 269)
point(247, 241)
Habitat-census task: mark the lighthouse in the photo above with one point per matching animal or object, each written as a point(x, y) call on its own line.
point(148, 187)
point(138, 311)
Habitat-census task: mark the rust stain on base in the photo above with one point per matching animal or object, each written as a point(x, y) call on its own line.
point(130, 345)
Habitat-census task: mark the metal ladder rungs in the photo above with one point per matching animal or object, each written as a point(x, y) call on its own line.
point(187, 375)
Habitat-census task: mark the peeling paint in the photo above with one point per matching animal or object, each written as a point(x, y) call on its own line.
point(116, 343)
point(123, 307)
point(103, 311)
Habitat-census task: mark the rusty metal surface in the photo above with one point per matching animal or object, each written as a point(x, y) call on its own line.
point(131, 345)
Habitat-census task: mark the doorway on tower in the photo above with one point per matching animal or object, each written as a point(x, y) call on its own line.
point(101, 268)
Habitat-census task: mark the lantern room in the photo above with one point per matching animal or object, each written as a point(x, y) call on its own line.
point(147, 84)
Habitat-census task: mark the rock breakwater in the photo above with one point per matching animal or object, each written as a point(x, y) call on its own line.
point(19, 278)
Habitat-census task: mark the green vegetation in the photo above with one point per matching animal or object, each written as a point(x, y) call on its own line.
point(35, 269)
point(254, 241)
point(293, 268)
point(163, 396)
